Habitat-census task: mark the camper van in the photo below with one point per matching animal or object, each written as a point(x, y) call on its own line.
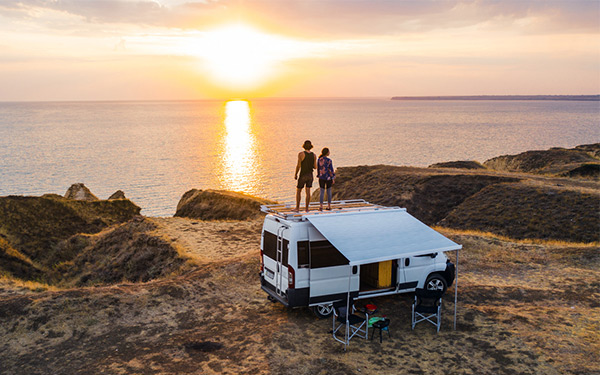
point(315, 258)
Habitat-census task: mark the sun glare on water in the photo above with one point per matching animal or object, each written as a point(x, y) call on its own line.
point(240, 56)
point(239, 152)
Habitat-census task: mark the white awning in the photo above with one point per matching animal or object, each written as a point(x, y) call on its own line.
point(377, 236)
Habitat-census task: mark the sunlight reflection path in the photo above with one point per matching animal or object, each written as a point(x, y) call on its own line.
point(240, 159)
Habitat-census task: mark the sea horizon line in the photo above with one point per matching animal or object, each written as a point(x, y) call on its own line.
point(503, 97)
point(558, 97)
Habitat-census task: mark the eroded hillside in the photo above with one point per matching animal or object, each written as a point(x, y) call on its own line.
point(515, 205)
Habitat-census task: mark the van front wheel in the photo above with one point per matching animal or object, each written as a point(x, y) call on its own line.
point(435, 281)
point(323, 311)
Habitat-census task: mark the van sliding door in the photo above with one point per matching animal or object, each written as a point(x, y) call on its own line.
point(329, 271)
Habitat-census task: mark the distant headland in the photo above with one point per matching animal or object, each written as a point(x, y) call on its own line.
point(585, 98)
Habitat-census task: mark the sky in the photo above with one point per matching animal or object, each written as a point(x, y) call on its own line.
point(189, 49)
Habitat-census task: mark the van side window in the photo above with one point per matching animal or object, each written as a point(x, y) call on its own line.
point(323, 254)
point(303, 260)
point(270, 247)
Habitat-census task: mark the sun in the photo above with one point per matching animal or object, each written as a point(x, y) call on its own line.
point(241, 56)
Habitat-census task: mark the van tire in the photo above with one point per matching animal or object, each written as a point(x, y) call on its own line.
point(435, 281)
point(323, 311)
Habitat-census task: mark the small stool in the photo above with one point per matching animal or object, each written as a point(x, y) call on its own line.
point(381, 325)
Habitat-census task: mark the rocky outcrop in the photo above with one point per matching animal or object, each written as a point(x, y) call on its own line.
point(117, 195)
point(219, 205)
point(80, 192)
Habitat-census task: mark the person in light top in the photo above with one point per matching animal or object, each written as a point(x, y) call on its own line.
point(326, 177)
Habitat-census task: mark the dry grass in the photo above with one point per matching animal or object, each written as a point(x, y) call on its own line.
point(188, 297)
point(555, 161)
point(15, 264)
point(35, 225)
point(512, 205)
point(546, 295)
point(203, 242)
point(213, 320)
point(133, 251)
point(527, 241)
point(466, 164)
point(523, 309)
point(10, 285)
point(428, 194)
point(219, 205)
point(523, 211)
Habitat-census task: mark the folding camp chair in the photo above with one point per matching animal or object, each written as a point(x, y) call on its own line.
point(427, 307)
point(357, 325)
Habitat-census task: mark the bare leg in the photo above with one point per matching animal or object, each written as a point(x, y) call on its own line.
point(298, 193)
point(307, 197)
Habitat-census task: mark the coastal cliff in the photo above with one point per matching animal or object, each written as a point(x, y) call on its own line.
point(90, 286)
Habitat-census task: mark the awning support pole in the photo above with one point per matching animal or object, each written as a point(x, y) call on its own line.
point(348, 311)
point(456, 289)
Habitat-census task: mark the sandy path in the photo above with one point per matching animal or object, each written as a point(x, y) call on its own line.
point(211, 241)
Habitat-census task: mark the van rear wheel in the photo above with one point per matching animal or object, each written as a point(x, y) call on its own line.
point(435, 281)
point(323, 311)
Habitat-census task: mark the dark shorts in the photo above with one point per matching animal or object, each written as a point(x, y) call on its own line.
point(325, 184)
point(306, 179)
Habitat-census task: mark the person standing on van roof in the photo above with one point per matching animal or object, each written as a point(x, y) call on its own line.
point(326, 177)
point(307, 161)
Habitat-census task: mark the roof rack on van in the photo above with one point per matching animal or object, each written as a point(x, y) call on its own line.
point(287, 210)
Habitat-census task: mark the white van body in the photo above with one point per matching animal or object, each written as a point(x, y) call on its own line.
point(300, 267)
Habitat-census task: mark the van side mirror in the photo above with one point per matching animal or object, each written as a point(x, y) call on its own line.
point(354, 270)
point(406, 262)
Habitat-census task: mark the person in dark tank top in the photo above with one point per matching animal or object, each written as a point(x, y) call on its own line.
point(307, 162)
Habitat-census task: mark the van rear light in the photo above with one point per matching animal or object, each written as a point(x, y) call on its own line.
point(291, 275)
point(262, 262)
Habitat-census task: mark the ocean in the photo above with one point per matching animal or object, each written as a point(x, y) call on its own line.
point(156, 151)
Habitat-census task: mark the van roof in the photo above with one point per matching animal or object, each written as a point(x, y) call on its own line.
point(353, 226)
point(287, 210)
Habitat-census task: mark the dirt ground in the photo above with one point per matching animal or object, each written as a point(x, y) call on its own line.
point(523, 309)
